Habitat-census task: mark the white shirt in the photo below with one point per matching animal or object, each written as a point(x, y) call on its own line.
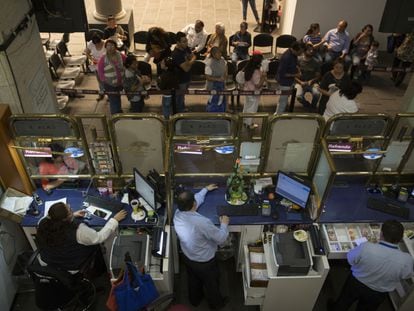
point(95, 53)
point(380, 266)
point(195, 40)
point(88, 236)
point(339, 104)
point(198, 236)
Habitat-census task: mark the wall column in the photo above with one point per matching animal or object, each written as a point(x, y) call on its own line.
point(103, 8)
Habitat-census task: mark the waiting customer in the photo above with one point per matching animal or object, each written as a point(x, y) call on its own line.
point(216, 76)
point(196, 36)
point(95, 49)
point(342, 101)
point(183, 59)
point(241, 41)
point(134, 82)
point(377, 269)
point(111, 72)
point(287, 72)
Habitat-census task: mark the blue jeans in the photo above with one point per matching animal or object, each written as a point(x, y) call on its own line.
point(253, 6)
point(283, 100)
point(179, 99)
point(114, 99)
point(166, 106)
point(302, 90)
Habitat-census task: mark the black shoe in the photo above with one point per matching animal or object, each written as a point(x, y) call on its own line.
point(100, 97)
point(330, 304)
point(223, 303)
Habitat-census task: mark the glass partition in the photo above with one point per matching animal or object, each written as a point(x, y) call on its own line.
point(356, 142)
point(323, 176)
point(50, 147)
point(292, 143)
point(203, 144)
point(139, 142)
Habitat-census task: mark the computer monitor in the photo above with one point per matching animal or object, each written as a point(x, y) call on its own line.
point(144, 189)
point(293, 189)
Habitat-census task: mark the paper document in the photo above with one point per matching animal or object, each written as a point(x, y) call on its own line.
point(259, 274)
point(17, 205)
point(257, 257)
point(48, 204)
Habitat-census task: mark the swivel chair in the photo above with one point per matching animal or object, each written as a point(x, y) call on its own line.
point(57, 289)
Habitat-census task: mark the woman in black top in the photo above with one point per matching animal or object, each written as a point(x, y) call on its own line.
point(332, 81)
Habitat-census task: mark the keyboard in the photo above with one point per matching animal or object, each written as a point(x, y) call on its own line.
point(393, 208)
point(113, 206)
point(238, 210)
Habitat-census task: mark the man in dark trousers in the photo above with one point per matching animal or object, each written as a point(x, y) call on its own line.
point(183, 59)
point(287, 72)
point(377, 268)
point(199, 238)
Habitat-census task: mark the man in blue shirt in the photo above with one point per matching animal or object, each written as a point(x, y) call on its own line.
point(377, 268)
point(287, 72)
point(199, 238)
point(337, 42)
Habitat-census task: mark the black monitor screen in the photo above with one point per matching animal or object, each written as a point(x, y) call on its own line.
point(144, 189)
point(292, 189)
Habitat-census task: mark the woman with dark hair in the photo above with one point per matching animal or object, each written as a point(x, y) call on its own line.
point(252, 79)
point(158, 46)
point(134, 82)
point(95, 49)
point(331, 82)
point(313, 37)
point(67, 243)
point(111, 73)
point(342, 101)
point(360, 46)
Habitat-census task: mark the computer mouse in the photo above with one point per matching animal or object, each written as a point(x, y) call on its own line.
point(275, 215)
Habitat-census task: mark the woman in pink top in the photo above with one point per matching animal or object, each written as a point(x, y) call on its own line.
point(254, 78)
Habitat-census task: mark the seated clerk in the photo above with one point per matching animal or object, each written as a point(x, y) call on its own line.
point(58, 164)
point(67, 243)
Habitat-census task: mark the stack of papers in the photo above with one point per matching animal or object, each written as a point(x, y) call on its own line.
point(17, 205)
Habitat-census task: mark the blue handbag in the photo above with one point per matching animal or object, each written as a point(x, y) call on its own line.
point(136, 291)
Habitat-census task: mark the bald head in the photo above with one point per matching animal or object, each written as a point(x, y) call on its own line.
point(342, 25)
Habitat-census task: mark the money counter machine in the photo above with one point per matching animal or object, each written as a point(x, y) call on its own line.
point(294, 199)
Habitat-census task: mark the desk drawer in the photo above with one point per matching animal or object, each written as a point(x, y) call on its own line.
point(252, 295)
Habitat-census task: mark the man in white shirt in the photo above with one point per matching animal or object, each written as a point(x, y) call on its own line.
point(196, 36)
point(377, 269)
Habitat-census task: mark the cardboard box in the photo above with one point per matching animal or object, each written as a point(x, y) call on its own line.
point(5, 213)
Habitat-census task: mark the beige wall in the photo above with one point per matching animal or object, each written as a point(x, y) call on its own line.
point(25, 82)
point(327, 13)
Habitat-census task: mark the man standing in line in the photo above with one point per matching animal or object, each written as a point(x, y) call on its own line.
point(183, 59)
point(196, 36)
point(377, 269)
point(287, 72)
point(199, 238)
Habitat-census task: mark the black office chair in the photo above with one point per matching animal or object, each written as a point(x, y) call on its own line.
point(140, 37)
point(198, 77)
point(271, 74)
point(231, 47)
point(145, 69)
point(58, 289)
point(172, 38)
point(264, 40)
point(92, 32)
point(284, 41)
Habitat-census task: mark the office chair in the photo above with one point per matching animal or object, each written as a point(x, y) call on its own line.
point(264, 40)
point(58, 289)
point(284, 41)
point(140, 38)
point(198, 77)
